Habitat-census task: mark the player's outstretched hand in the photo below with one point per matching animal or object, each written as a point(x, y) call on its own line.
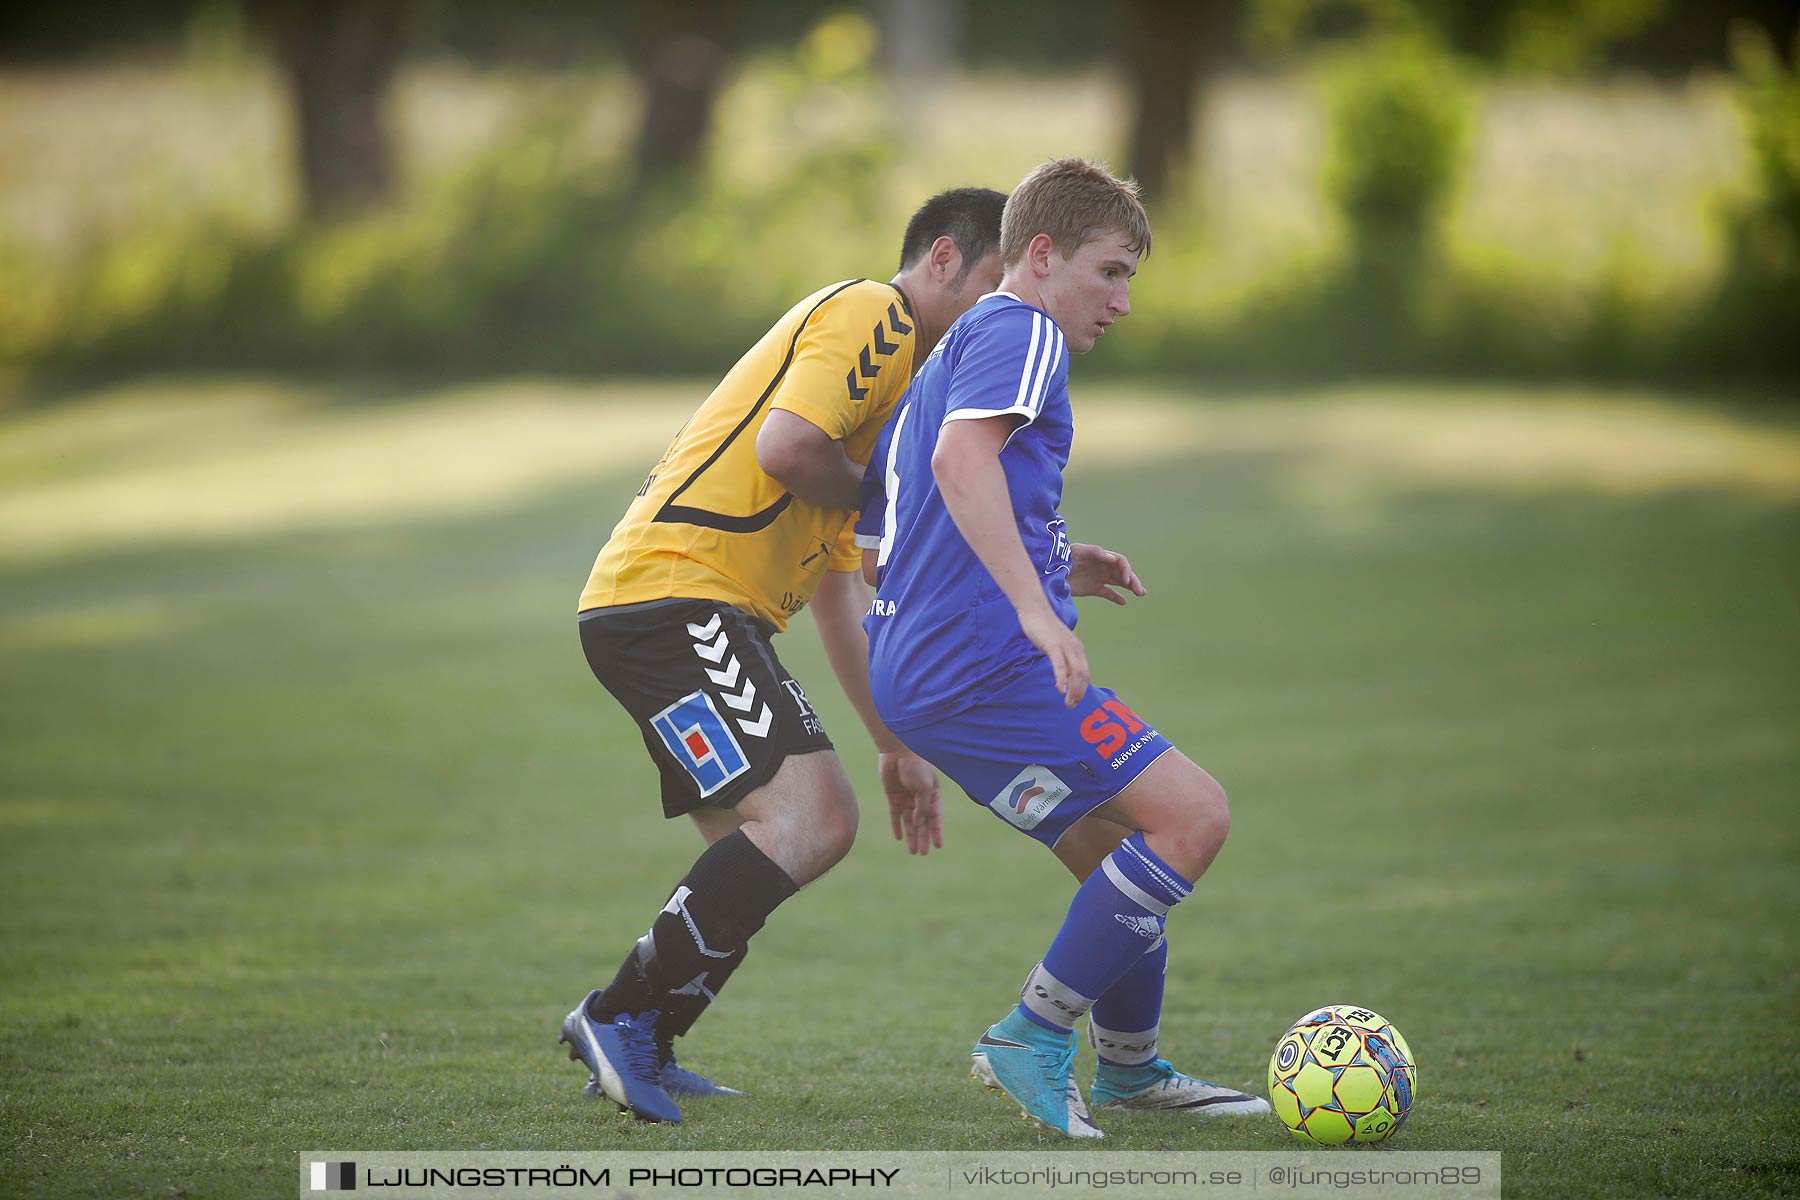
point(915, 803)
point(1093, 570)
point(1063, 649)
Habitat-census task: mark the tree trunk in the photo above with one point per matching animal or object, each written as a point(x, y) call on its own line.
point(680, 68)
point(1171, 46)
point(921, 39)
point(339, 57)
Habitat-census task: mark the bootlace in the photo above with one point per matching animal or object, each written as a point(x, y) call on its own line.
point(637, 1035)
point(1062, 1059)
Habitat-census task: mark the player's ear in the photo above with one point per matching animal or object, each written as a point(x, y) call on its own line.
point(946, 258)
point(1038, 253)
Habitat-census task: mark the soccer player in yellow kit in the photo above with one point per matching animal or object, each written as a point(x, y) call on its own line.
point(744, 522)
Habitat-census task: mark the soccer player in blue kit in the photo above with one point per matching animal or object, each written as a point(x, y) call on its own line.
point(975, 666)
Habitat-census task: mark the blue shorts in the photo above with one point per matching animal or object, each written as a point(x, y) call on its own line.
point(1035, 764)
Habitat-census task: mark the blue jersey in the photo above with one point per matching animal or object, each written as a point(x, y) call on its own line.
point(942, 635)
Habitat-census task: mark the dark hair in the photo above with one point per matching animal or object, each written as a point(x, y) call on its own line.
point(969, 216)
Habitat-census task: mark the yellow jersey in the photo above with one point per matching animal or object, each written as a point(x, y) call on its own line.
point(709, 523)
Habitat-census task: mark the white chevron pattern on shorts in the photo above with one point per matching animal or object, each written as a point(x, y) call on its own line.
point(713, 651)
point(741, 701)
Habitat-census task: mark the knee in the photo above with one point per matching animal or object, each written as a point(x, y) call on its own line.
point(1213, 814)
point(1194, 837)
point(837, 826)
point(825, 831)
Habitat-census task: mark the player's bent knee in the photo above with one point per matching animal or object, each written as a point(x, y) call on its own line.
point(807, 813)
point(1185, 816)
point(837, 819)
point(820, 836)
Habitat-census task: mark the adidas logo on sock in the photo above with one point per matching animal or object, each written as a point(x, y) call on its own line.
point(1144, 927)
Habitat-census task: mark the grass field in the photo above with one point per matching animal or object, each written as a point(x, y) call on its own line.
point(313, 824)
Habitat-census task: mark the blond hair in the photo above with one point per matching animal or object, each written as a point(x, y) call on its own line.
point(1074, 201)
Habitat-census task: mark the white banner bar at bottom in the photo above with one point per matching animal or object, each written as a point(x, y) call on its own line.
point(1357, 1173)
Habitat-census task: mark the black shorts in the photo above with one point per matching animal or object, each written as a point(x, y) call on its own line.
point(718, 711)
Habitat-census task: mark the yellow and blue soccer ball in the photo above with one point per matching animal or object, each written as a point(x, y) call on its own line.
point(1342, 1074)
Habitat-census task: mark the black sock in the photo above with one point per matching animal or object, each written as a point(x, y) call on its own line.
point(684, 1008)
point(700, 935)
point(629, 992)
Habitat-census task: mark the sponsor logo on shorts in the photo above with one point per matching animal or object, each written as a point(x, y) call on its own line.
point(808, 718)
point(701, 742)
point(1118, 760)
point(1110, 726)
point(1032, 795)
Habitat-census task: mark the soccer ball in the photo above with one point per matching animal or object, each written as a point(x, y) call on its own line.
point(1342, 1074)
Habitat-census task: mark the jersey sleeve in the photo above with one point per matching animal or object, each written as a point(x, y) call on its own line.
point(1008, 364)
point(837, 359)
point(846, 555)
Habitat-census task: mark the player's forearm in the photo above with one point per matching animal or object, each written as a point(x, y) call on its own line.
point(973, 484)
point(806, 461)
point(826, 483)
point(837, 609)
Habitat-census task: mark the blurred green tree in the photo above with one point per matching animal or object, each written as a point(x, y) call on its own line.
point(1554, 36)
point(1753, 316)
point(1398, 129)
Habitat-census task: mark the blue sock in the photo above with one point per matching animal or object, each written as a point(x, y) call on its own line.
point(1116, 915)
point(1126, 1020)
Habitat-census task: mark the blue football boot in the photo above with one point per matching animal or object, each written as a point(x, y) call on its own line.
point(1036, 1067)
point(677, 1080)
point(623, 1060)
point(1159, 1087)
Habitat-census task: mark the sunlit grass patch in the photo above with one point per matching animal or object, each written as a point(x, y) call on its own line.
point(1332, 442)
point(145, 463)
point(87, 626)
point(178, 460)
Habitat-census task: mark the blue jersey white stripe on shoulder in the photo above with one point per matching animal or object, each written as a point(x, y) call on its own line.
point(1052, 355)
point(941, 633)
point(1026, 383)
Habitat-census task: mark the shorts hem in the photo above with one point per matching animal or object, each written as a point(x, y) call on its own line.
point(1168, 746)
